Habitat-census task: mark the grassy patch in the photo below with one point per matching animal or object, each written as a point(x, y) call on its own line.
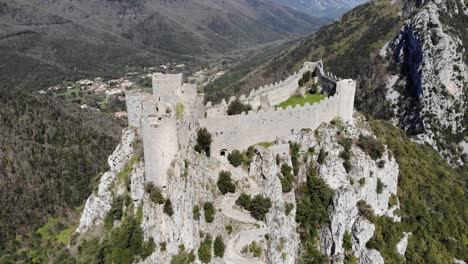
point(265, 144)
point(124, 174)
point(180, 110)
point(297, 100)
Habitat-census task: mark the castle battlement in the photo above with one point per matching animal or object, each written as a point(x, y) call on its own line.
point(272, 94)
point(168, 119)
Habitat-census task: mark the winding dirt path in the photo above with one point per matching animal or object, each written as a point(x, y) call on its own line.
point(245, 237)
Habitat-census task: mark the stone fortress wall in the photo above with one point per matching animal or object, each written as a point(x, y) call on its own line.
point(270, 95)
point(165, 132)
point(241, 131)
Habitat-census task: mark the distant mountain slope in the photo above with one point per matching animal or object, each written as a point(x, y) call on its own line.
point(346, 47)
point(408, 57)
point(45, 41)
point(322, 8)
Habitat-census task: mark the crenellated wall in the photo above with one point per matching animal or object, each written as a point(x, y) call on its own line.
point(241, 131)
point(167, 127)
point(270, 95)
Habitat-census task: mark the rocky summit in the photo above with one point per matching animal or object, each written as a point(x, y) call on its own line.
point(215, 132)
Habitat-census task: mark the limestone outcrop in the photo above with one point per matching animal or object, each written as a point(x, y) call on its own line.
point(99, 203)
point(428, 95)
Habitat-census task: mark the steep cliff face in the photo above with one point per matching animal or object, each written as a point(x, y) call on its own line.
point(192, 184)
point(371, 181)
point(428, 93)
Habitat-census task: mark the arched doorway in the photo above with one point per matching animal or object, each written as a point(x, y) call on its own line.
point(223, 153)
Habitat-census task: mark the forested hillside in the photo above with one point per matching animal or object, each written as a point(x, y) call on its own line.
point(51, 154)
point(349, 48)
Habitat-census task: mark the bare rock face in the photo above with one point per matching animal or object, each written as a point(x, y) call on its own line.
point(283, 243)
point(370, 256)
point(360, 183)
point(403, 244)
point(428, 95)
point(99, 203)
point(192, 179)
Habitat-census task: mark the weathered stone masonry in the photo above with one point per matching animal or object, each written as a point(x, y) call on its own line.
point(170, 117)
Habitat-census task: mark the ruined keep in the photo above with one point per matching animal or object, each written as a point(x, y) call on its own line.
point(169, 118)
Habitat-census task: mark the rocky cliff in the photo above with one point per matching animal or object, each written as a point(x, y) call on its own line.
point(192, 183)
point(429, 92)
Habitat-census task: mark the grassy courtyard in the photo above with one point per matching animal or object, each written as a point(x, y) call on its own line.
point(298, 100)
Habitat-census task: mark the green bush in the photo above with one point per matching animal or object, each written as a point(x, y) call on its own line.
point(115, 213)
point(244, 201)
point(196, 212)
point(148, 248)
point(350, 259)
point(321, 156)
point(183, 257)
point(347, 243)
point(235, 158)
point(365, 210)
point(393, 200)
point(123, 244)
point(154, 193)
point(380, 186)
point(168, 208)
point(313, 199)
point(219, 247)
point(163, 246)
point(204, 141)
point(362, 181)
point(259, 207)
point(225, 183)
point(346, 153)
point(294, 151)
point(371, 146)
point(286, 179)
point(236, 107)
point(210, 212)
point(229, 229)
point(204, 251)
point(286, 184)
point(255, 249)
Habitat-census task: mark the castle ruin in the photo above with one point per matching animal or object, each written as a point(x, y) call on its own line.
point(168, 119)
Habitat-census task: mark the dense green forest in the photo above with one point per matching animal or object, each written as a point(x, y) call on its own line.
point(51, 155)
point(433, 203)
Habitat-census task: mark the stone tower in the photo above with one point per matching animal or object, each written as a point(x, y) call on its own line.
point(160, 147)
point(165, 86)
point(346, 90)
